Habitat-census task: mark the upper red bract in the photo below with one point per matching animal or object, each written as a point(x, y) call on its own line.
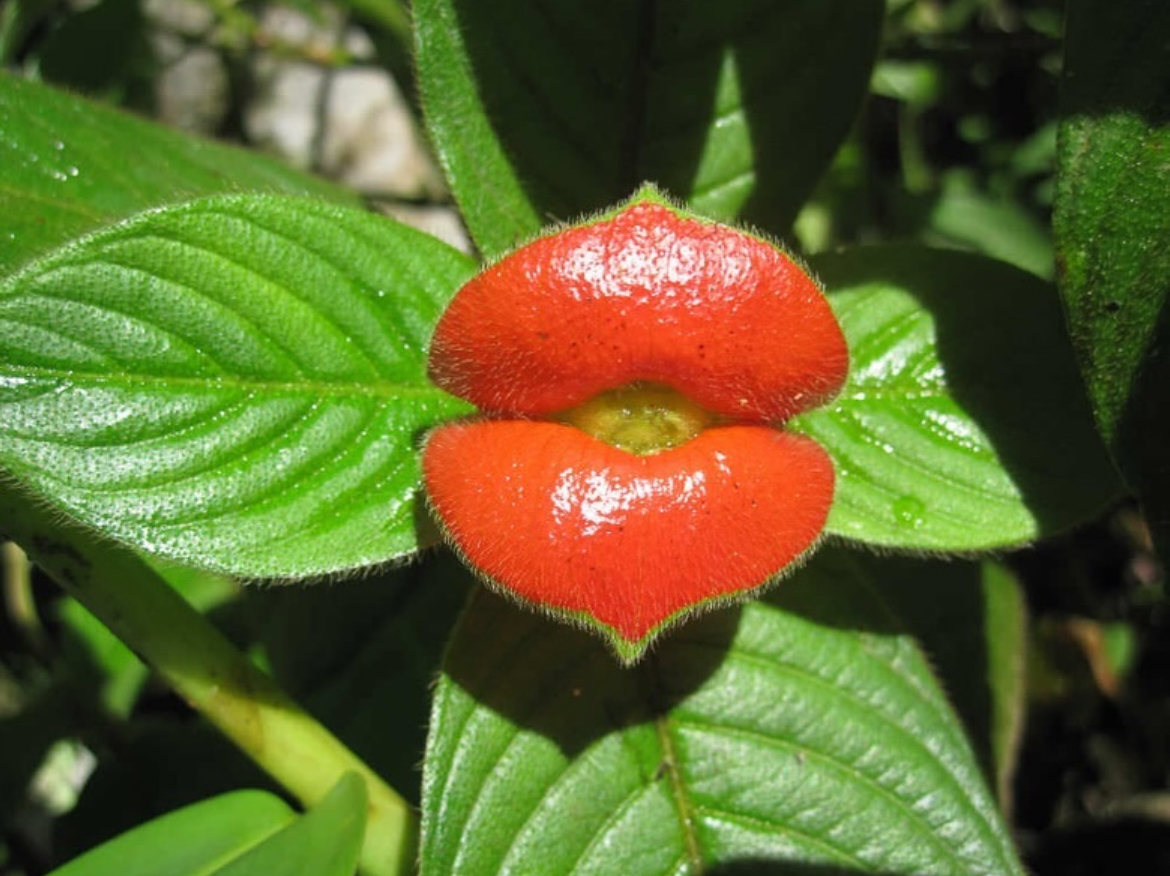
point(726, 319)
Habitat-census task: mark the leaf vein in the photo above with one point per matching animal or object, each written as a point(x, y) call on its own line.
point(754, 822)
point(851, 771)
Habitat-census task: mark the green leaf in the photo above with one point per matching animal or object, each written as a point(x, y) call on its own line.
point(1113, 195)
point(28, 731)
point(376, 646)
point(325, 842)
point(971, 621)
point(542, 111)
point(197, 839)
point(236, 383)
point(68, 166)
point(803, 730)
point(161, 763)
point(963, 424)
point(67, 56)
point(1005, 633)
point(19, 18)
point(997, 227)
point(245, 833)
point(99, 658)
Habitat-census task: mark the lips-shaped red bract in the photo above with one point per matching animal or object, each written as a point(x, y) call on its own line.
point(624, 542)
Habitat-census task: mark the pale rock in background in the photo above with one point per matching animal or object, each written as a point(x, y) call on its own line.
point(192, 92)
point(349, 123)
point(282, 117)
point(437, 220)
point(189, 18)
point(191, 88)
point(371, 143)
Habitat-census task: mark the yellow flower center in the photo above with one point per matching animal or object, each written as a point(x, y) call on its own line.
point(640, 418)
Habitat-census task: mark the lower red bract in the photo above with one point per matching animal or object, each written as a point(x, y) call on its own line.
point(630, 542)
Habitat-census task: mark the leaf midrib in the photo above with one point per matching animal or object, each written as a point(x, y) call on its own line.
point(775, 666)
point(678, 793)
point(74, 207)
point(381, 389)
point(654, 692)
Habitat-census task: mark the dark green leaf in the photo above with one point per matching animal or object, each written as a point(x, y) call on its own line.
point(245, 833)
point(325, 842)
point(1005, 634)
point(547, 110)
point(971, 621)
point(237, 383)
point(94, 654)
point(376, 645)
point(158, 765)
point(68, 57)
point(387, 22)
point(68, 166)
point(803, 732)
point(26, 737)
point(194, 841)
point(996, 227)
point(1113, 198)
point(963, 425)
point(19, 18)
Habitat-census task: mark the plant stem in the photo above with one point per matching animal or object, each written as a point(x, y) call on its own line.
point(209, 673)
point(19, 602)
point(391, 15)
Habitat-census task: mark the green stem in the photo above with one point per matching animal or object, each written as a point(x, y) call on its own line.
point(390, 15)
point(19, 602)
point(209, 673)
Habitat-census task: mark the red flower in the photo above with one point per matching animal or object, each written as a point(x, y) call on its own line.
point(633, 372)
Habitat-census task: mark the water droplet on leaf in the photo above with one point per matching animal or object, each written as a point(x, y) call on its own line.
point(910, 512)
